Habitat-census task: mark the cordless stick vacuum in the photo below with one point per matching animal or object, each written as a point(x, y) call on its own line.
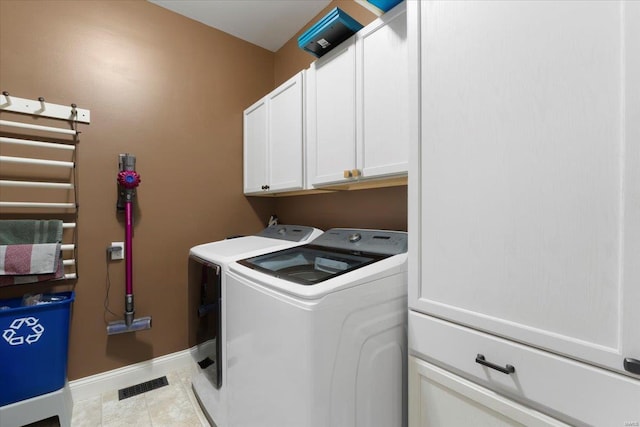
point(128, 181)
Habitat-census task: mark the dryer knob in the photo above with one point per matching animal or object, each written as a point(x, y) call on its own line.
point(355, 237)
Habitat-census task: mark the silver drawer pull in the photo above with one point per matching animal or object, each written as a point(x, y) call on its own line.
point(508, 369)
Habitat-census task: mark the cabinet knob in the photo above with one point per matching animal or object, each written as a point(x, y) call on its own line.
point(353, 173)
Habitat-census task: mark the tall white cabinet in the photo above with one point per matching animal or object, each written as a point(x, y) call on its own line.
point(525, 203)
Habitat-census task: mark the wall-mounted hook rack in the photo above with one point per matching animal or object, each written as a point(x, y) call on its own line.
point(43, 108)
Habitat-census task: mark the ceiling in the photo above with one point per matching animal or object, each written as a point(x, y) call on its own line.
point(266, 23)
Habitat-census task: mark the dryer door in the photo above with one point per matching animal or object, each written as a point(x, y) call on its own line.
point(205, 321)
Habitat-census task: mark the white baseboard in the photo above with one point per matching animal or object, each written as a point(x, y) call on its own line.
point(95, 385)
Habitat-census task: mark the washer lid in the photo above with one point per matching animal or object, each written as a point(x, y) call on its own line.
point(310, 264)
point(269, 239)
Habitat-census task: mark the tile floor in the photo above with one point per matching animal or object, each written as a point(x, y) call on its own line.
point(174, 405)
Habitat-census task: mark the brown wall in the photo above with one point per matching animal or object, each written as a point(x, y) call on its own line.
point(377, 208)
point(382, 208)
point(171, 91)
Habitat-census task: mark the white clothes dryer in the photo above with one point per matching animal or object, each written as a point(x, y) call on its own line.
point(316, 334)
point(208, 264)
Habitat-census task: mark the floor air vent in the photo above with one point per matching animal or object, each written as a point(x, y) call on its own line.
point(144, 387)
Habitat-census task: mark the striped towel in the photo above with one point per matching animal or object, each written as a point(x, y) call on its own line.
point(30, 251)
point(28, 231)
point(20, 264)
point(24, 279)
point(29, 259)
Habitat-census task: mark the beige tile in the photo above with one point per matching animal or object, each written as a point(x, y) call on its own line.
point(109, 396)
point(87, 412)
point(173, 378)
point(185, 374)
point(174, 405)
point(128, 412)
point(194, 402)
point(170, 406)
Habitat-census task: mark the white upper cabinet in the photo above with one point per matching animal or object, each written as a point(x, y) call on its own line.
point(286, 135)
point(255, 147)
point(526, 208)
point(358, 105)
point(383, 94)
point(274, 140)
point(331, 116)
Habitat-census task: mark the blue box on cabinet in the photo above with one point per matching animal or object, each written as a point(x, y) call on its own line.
point(385, 5)
point(34, 346)
point(328, 32)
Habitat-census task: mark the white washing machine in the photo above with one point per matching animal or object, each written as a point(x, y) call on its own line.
point(316, 334)
point(208, 264)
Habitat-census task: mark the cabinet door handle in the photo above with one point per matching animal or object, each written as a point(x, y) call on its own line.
point(355, 172)
point(632, 365)
point(347, 174)
point(508, 369)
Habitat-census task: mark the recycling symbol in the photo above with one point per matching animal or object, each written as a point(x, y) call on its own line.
point(23, 330)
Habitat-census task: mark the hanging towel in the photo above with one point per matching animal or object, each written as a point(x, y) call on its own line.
point(23, 279)
point(30, 251)
point(27, 231)
point(29, 259)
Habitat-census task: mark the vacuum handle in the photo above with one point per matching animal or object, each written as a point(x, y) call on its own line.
point(128, 245)
point(126, 162)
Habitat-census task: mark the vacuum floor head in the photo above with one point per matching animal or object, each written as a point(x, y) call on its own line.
point(120, 327)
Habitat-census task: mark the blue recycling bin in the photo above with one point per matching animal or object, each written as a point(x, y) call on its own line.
point(34, 345)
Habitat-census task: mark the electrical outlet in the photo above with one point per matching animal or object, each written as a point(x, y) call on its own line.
point(117, 250)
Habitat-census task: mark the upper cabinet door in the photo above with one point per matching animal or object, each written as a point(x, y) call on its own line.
point(332, 136)
point(274, 140)
point(286, 137)
point(528, 173)
point(255, 147)
point(383, 97)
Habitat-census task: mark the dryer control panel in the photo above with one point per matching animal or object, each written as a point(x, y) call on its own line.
point(292, 233)
point(374, 241)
